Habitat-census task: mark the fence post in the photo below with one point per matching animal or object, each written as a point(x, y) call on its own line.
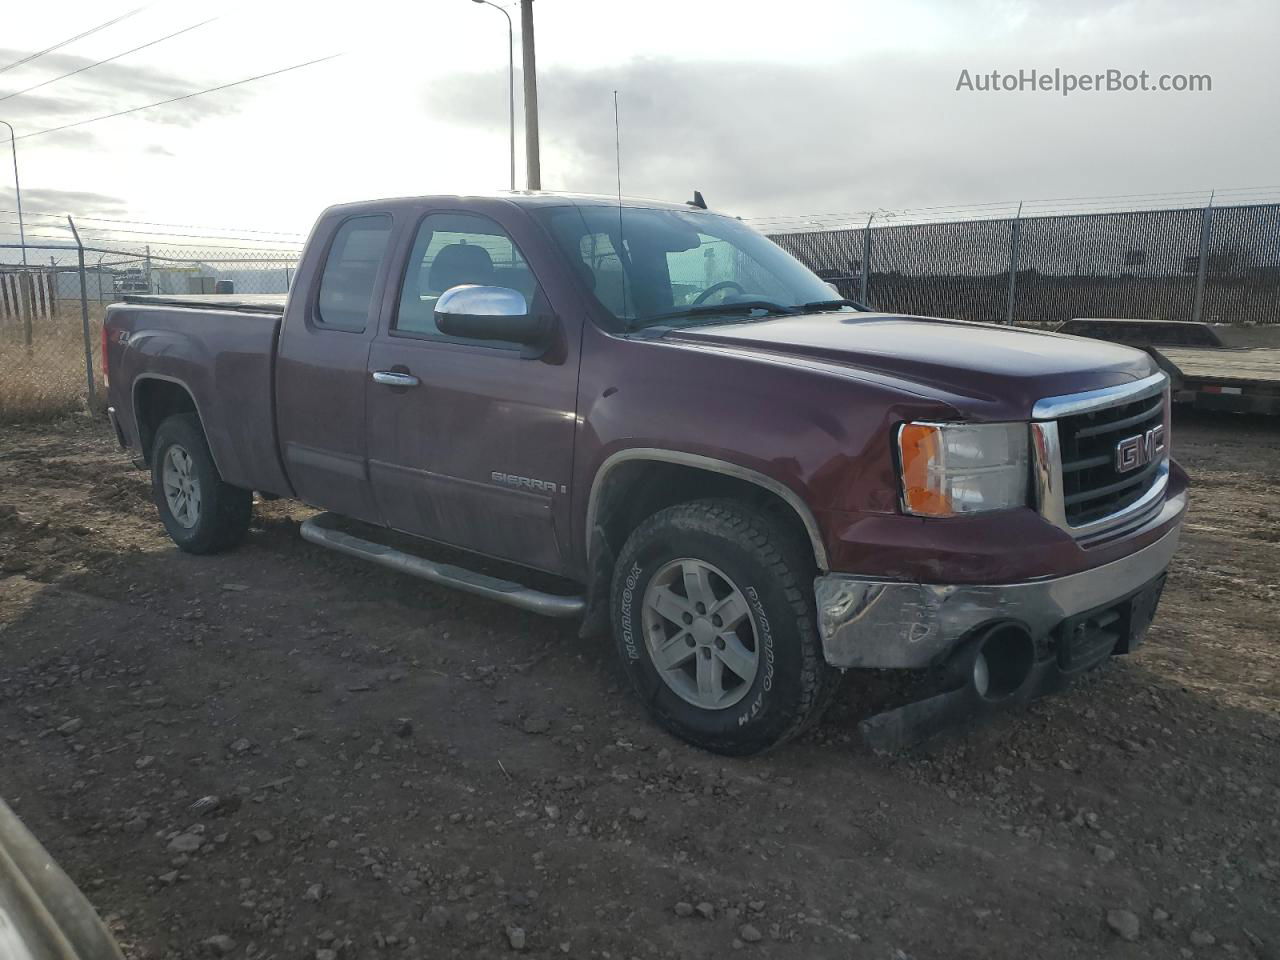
point(26, 304)
point(84, 315)
point(1015, 234)
point(866, 262)
point(149, 290)
point(1206, 226)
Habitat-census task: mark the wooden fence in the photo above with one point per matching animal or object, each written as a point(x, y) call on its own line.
point(26, 295)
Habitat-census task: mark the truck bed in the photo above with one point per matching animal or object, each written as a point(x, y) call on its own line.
point(270, 303)
point(222, 350)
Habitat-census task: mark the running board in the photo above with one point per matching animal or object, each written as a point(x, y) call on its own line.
point(322, 530)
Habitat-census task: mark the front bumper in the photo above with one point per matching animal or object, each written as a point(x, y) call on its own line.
point(891, 624)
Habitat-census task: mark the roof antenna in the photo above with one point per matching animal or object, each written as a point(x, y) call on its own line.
point(617, 153)
point(697, 200)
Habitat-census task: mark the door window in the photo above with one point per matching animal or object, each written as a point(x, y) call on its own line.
point(351, 272)
point(452, 249)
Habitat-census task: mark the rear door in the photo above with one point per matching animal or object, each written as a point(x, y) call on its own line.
point(322, 365)
point(473, 445)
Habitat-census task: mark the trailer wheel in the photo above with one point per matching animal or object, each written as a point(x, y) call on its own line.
point(200, 511)
point(714, 620)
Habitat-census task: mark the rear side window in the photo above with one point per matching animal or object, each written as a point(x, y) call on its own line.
point(351, 271)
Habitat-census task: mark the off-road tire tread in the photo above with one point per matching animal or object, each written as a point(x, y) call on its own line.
point(232, 506)
point(785, 557)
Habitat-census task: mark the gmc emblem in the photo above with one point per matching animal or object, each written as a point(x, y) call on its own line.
point(1134, 452)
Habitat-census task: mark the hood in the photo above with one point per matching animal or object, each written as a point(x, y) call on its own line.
point(1007, 367)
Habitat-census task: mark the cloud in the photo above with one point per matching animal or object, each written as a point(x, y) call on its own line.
point(61, 202)
point(106, 89)
point(890, 130)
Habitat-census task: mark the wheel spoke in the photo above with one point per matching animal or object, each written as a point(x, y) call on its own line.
point(710, 678)
point(697, 584)
point(674, 652)
point(731, 610)
point(736, 656)
point(670, 605)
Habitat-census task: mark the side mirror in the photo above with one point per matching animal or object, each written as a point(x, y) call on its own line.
point(489, 313)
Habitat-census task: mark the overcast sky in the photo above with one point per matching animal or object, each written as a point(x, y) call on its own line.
point(768, 108)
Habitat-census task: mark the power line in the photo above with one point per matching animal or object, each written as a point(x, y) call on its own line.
point(155, 223)
point(1262, 191)
point(185, 96)
point(78, 36)
point(150, 43)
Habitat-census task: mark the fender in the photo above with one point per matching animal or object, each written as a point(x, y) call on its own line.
point(789, 496)
point(137, 426)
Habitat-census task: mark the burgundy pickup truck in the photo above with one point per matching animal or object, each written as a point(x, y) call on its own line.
point(676, 430)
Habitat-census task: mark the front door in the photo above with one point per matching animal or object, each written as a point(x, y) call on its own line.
point(470, 443)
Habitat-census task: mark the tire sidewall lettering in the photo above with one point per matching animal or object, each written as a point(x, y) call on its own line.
point(627, 616)
point(764, 637)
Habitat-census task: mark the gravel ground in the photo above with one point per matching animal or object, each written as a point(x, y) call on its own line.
point(279, 752)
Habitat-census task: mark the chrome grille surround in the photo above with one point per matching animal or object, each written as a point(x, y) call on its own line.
point(1047, 438)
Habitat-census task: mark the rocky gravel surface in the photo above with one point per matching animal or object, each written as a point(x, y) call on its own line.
point(281, 753)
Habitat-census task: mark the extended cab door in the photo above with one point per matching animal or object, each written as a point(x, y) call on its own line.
point(471, 443)
point(322, 365)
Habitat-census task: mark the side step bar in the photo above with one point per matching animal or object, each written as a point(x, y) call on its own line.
point(322, 530)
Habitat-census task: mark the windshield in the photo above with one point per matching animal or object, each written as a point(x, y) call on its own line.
point(679, 266)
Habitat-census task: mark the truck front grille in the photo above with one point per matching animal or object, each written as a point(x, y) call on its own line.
point(1092, 485)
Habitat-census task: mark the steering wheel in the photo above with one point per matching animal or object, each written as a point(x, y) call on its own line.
point(716, 288)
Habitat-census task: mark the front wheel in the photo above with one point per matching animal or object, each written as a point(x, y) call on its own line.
point(200, 511)
point(714, 622)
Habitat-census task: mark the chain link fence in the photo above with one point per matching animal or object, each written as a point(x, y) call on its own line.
point(1212, 264)
point(1217, 264)
point(54, 295)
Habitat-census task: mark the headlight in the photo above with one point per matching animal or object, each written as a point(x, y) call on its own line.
point(954, 468)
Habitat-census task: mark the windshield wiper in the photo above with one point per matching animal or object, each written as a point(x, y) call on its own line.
point(818, 305)
point(719, 309)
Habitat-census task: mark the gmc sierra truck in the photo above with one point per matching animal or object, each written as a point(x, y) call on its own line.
point(756, 484)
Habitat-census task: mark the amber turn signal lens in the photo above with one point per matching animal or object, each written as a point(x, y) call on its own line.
point(920, 446)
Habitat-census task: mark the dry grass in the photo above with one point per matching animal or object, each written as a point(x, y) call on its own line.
point(47, 378)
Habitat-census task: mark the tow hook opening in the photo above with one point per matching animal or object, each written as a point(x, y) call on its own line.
point(997, 661)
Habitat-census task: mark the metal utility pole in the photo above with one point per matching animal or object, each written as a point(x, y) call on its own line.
point(17, 189)
point(533, 163)
point(511, 82)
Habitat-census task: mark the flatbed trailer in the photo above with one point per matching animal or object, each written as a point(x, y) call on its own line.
point(1211, 367)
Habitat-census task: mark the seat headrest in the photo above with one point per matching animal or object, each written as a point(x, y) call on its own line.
point(460, 263)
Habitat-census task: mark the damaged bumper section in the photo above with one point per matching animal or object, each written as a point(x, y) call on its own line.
point(987, 645)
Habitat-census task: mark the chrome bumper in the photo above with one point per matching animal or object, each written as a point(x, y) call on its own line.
point(890, 624)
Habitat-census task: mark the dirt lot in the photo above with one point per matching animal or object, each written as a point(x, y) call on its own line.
point(406, 772)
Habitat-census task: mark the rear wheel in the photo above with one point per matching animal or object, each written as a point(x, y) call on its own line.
point(200, 512)
point(714, 621)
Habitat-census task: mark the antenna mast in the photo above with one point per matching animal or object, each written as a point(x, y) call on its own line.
point(617, 154)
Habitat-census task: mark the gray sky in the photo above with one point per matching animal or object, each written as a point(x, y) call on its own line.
point(768, 108)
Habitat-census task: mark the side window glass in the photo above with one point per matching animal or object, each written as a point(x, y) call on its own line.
point(351, 272)
point(452, 249)
point(605, 275)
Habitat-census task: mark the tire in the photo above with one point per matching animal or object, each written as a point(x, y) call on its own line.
point(201, 512)
point(721, 546)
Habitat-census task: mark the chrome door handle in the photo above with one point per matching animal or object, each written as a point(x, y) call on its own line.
point(393, 379)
